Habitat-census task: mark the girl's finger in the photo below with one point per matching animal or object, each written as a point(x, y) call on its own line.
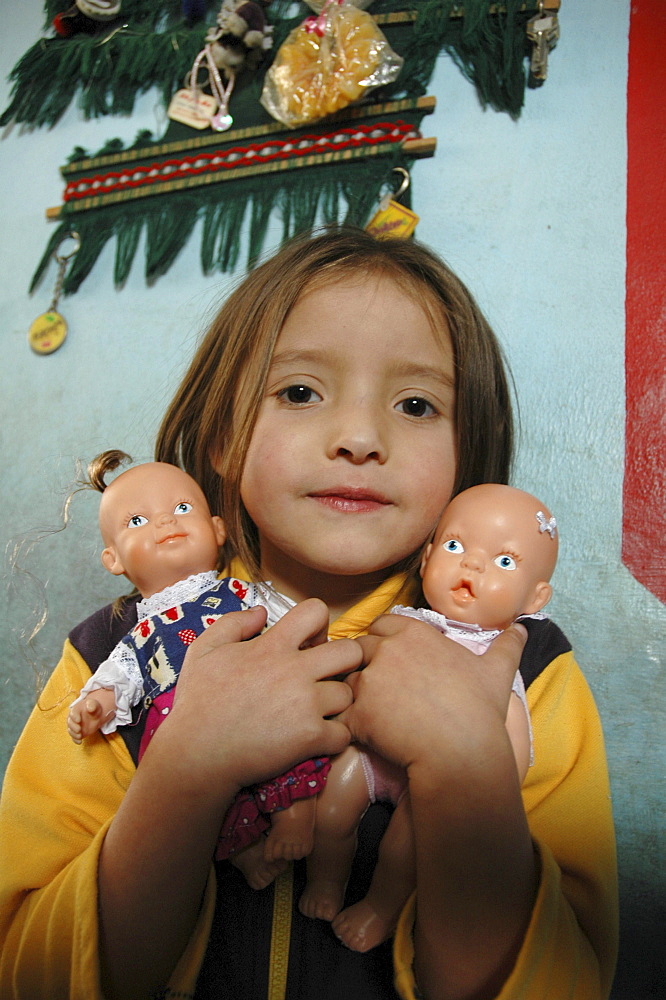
point(338, 657)
point(504, 654)
point(303, 625)
point(335, 737)
point(334, 697)
point(236, 626)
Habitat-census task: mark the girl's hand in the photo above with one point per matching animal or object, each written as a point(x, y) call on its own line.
point(422, 695)
point(249, 708)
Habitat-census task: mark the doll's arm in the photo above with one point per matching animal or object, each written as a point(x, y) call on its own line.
point(107, 698)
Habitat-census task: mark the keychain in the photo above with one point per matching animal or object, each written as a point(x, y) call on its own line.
point(193, 107)
point(49, 330)
point(392, 218)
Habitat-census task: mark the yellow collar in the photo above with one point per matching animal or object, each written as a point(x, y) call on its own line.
point(397, 589)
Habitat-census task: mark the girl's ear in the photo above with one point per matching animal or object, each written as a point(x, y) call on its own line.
point(425, 557)
point(111, 562)
point(219, 529)
point(542, 594)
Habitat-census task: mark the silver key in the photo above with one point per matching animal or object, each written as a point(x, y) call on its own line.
point(543, 31)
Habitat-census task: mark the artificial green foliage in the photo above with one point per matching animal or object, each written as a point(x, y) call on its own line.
point(151, 45)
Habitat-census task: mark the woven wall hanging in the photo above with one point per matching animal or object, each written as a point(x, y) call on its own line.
point(330, 170)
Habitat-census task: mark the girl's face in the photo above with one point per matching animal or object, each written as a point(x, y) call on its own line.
point(352, 458)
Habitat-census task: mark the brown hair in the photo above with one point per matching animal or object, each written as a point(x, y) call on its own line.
point(214, 411)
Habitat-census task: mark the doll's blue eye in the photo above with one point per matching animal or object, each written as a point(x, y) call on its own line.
point(505, 562)
point(453, 545)
point(182, 508)
point(137, 521)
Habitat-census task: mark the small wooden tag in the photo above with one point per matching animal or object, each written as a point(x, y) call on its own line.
point(192, 107)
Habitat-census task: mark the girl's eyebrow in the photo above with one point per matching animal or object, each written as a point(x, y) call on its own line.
point(401, 368)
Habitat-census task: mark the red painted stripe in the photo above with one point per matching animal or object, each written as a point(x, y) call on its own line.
point(644, 518)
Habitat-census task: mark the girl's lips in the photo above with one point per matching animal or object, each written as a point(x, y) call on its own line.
point(349, 499)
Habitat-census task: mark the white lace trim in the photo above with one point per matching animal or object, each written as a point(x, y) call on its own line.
point(178, 593)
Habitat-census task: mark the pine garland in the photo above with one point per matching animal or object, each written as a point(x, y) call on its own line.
point(152, 46)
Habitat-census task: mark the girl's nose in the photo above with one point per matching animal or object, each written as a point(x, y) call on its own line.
point(356, 434)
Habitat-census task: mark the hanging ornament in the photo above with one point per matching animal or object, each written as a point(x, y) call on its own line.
point(86, 16)
point(327, 62)
point(241, 36)
point(392, 218)
point(238, 41)
point(190, 105)
point(47, 333)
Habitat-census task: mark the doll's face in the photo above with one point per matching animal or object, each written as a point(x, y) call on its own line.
point(489, 562)
point(157, 527)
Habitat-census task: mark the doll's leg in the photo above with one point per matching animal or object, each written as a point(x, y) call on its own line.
point(340, 807)
point(257, 870)
point(292, 831)
point(373, 919)
point(88, 717)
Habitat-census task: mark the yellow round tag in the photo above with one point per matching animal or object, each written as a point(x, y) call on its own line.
point(47, 333)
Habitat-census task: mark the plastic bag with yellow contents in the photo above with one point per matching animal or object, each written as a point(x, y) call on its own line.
point(328, 62)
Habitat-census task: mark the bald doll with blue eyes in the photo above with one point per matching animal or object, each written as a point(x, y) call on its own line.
point(489, 564)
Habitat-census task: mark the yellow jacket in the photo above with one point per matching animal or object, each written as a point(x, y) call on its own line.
point(58, 801)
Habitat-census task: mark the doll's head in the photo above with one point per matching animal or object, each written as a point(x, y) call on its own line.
point(157, 527)
point(492, 557)
point(210, 422)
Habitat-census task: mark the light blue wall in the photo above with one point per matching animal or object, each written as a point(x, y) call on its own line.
point(532, 215)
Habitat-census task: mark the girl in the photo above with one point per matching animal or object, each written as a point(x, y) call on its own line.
point(345, 391)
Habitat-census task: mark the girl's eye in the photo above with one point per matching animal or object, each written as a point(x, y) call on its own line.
point(453, 545)
point(505, 562)
point(182, 508)
point(299, 394)
point(137, 521)
point(416, 406)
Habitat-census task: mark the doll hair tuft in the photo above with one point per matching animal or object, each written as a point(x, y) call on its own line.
point(107, 461)
point(214, 410)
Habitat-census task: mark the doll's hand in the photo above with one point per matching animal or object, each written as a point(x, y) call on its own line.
point(87, 717)
point(423, 695)
point(251, 709)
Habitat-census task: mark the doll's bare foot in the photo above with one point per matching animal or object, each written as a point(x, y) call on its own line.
point(322, 899)
point(361, 927)
point(292, 832)
point(257, 870)
point(89, 716)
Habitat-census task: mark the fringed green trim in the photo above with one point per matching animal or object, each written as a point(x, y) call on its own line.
point(489, 45)
point(302, 198)
point(156, 49)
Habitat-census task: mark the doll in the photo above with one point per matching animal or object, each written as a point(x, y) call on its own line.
point(489, 564)
point(158, 532)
